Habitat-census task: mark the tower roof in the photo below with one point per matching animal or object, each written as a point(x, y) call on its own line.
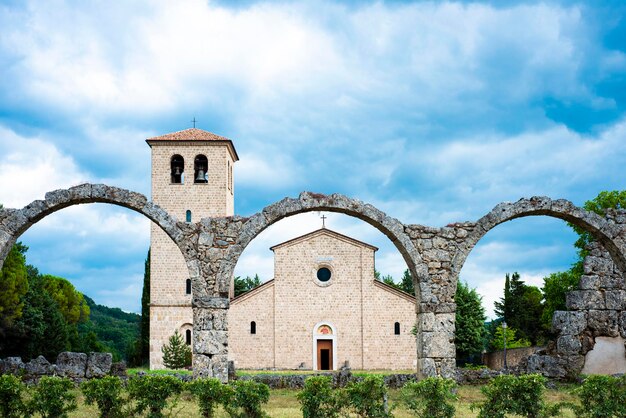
point(193, 134)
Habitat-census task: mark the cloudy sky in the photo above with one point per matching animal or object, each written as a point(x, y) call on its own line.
point(432, 111)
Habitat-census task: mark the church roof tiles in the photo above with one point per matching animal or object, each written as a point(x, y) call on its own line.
point(193, 134)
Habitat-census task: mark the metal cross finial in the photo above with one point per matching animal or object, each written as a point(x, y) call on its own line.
point(323, 221)
point(194, 121)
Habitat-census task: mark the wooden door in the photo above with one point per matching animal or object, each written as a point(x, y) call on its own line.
point(324, 355)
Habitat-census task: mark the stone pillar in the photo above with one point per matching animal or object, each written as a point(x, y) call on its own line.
point(436, 308)
point(210, 339)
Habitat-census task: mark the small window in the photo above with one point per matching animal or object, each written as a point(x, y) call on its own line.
point(188, 216)
point(323, 274)
point(188, 337)
point(188, 287)
point(396, 328)
point(252, 327)
point(177, 169)
point(200, 167)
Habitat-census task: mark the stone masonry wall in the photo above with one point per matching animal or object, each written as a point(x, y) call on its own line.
point(596, 309)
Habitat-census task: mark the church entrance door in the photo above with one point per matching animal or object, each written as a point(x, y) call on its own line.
point(324, 355)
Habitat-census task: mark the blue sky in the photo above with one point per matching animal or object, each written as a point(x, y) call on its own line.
point(432, 111)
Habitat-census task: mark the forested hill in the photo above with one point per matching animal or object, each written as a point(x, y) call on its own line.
point(116, 329)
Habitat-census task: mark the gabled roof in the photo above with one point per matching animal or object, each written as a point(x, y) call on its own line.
point(193, 134)
point(254, 291)
point(395, 291)
point(324, 231)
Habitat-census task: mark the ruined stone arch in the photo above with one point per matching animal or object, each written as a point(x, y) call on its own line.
point(14, 222)
point(604, 231)
point(313, 202)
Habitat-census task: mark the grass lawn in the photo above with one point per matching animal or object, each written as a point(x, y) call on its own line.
point(283, 403)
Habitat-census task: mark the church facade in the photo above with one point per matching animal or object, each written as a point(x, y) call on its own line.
point(322, 308)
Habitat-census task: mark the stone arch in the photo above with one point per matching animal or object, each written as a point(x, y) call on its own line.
point(312, 202)
point(14, 222)
point(603, 231)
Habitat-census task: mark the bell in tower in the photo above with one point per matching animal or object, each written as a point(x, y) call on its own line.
point(200, 167)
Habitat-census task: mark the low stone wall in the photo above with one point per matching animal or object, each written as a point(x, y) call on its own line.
point(76, 366)
point(514, 356)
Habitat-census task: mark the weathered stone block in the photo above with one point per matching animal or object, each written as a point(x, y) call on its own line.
point(622, 324)
point(615, 299)
point(444, 322)
point(11, 365)
point(437, 344)
point(447, 368)
point(569, 322)
point(98, 364)
point(548, 366)
point(425, 322)
point(585, 299)
point(72, 365)
point(589, 282)
point(38, 367)
point(597, 266)
point(568, 345)
point(210, 342)
point(603, 323)
point(426, 368)
point(210, 320)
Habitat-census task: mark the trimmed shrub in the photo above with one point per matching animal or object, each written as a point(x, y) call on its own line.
point(317, 398)
point(11, 397)
point(152, 392)
point(523, 395)
point(601, 396)
point(368, 397)
point(52, 397)
point(245, 399)
point(430, 397)
point(107, 394)
point(209, 393)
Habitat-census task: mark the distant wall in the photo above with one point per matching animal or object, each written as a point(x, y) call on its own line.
point(495, 360)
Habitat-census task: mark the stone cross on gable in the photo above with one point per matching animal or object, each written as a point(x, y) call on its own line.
point(323, 221)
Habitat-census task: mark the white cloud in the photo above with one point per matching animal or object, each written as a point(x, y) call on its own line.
point(30, 167)
point(253, 170)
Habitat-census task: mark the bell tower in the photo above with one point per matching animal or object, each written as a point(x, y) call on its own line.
point(192, 178)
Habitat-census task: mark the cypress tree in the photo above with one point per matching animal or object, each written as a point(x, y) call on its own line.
point(145, 313)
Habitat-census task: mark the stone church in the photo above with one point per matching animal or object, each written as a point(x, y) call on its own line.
point(322, 308)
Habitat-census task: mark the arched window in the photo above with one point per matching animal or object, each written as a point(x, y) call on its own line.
point(252, 327)
point(188, 337)
point(200, 167)
point(396, 328)
point(188, 287)
point(188, 216)
point(177, 169)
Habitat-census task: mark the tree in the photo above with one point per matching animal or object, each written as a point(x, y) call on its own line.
point(615, 199)
point(512, 340)
point(71, 302)
point(42, 329)
point(13, 286)
point(176, 354)
point(521, 308)
point(145, 314)
point(246, 284)
point(406, 284)
point(470, 319)
point(555, 287)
